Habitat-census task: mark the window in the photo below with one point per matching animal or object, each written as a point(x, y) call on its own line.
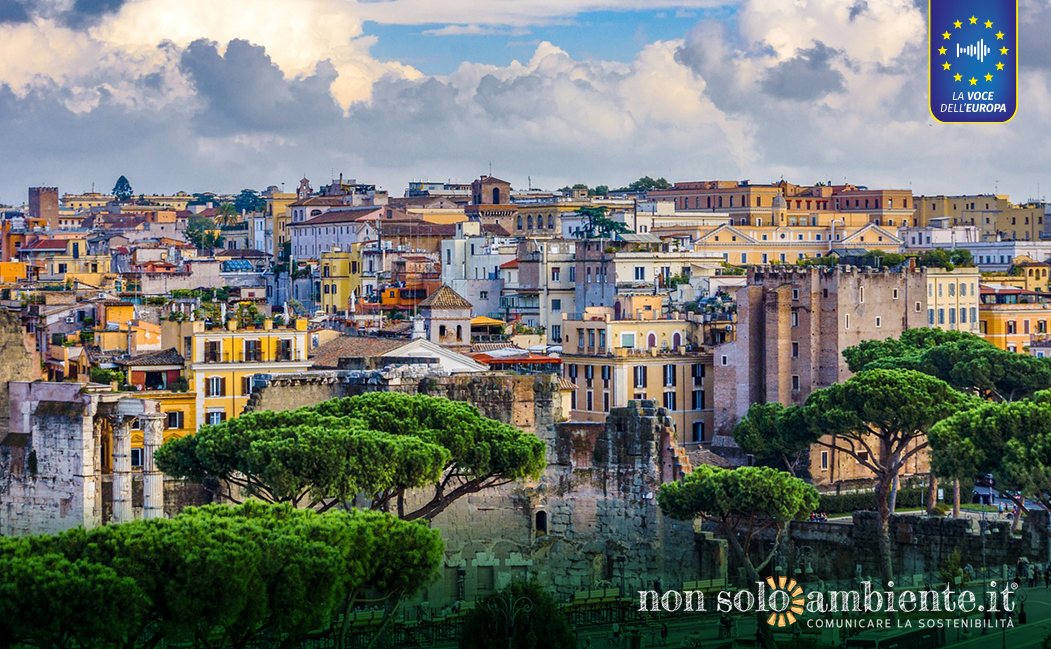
point(556, 272)
point(605, 402)
point(640, 376)
point(846, 321)
point(698, 431)
point(894, 294)
point(861, 295)
point(556, 305)
point(136, 458)
point(214, 418)
point(879, 322)
point(724, 360)
point(580, 337)
point(795, 318)
point(669, 400)
point(952, 290)
point(246, 385)
point(572, 273)
point(284, 350)
point(640, 273)
point(483, 295)
point(698, 374)
point(795, 350)
point(216, 386)
point(795, 383)
point(698, 399)
point(917, 307)
point(765, 256)
point(941, 316)
point(669, 376)
point(175, 419)
point(213, 351)
point(627, 340)
point(590, 400)
point(556, 333)
point(602, 339)
point(824, 460)
point(795, 294)
point(253, 352)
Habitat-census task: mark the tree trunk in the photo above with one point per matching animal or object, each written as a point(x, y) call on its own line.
point(884, 509)
point(956, 498)
point(894, 494)
point(932, 494)
point(753, 576)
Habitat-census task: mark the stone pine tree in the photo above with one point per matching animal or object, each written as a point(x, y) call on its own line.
point(742, 503)
point(775, 435)
point(1011, 441)
point(410, 455)
point(880, 418)
point(211, 577)
point(122, 190)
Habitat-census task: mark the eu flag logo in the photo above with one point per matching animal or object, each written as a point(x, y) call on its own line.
point(973, 54)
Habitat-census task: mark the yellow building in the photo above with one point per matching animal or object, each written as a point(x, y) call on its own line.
point(743, 244)
point(86, 201)
point(12, 272)
point(643, 356)
point(953, 298)
point(178, 407)
point(340, 276)
point(160, 376)
point(276, 210)
point(145, 336)
point(994, 214)
point(1010, 317)
point(222, 362)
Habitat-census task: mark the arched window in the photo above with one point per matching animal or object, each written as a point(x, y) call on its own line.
point(651, 340)
point(496, 195)
point(459, 333)
point(550, 221)
point(529, 222)
point(519, 222)
point(441, 332)
point(541, 523)
point(676, 340)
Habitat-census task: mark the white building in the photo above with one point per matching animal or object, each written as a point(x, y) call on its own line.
point(332, 228)
point(471, 266)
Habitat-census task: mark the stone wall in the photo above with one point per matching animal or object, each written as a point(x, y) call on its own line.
point(19, 361)
point(921, 546)
point(590, 521)
point(47, 481)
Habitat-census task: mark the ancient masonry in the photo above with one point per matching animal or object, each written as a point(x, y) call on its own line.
point(55, 469)
point(591, 521)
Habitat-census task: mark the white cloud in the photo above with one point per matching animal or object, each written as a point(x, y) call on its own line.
point(507, 12)
point(475, 30)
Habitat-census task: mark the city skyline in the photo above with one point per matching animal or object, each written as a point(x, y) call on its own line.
point(205, 96)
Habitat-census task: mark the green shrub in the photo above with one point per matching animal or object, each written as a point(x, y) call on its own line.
point(861, 501)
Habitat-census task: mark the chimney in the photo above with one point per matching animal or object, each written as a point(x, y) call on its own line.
point(417, 328)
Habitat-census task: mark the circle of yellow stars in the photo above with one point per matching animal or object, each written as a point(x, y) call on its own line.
point(948, 36)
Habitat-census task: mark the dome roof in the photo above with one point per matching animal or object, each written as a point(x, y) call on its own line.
point(779, 202)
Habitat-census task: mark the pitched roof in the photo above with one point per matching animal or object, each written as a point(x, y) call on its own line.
point(446, 298)
point(170, 356)
point(318, 200)
point(46, 244)
point(327, 356)
point(241, 253)
point(343, 215)
point(510, 264)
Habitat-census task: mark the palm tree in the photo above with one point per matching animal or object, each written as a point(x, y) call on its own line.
point(226, 214)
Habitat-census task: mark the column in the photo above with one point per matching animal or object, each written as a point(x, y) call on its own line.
point(122, 468)
point(152, 479)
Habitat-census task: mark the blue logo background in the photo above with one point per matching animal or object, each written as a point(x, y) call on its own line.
point(973, 57)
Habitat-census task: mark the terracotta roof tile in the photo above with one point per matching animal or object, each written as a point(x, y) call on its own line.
point(327, 356)
point(446, 298)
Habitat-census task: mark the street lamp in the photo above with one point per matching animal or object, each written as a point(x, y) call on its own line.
point(805, 558)
point(510, 608)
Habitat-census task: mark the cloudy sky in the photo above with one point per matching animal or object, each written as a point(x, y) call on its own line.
point(220, 95)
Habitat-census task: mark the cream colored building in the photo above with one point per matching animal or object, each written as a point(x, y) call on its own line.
point(952, 298)
point(639, 355)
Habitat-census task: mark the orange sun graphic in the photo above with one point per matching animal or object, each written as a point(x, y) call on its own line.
point(794, 592)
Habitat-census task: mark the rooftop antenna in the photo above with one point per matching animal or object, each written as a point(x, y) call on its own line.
point(490, 168)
